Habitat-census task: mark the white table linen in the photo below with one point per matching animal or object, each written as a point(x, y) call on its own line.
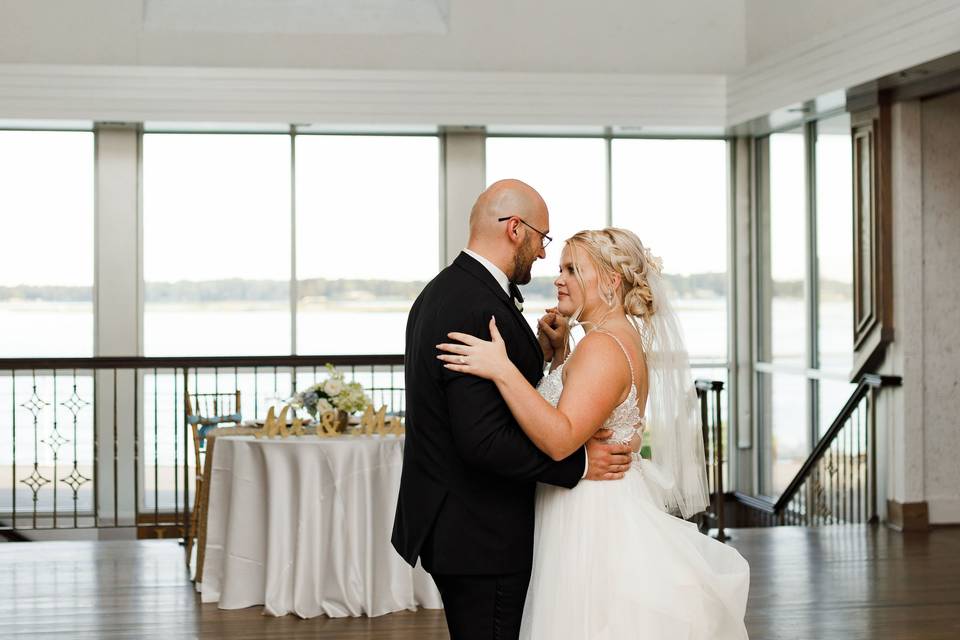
point(302, 525)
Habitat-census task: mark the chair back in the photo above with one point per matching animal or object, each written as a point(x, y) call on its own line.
point(206, 411)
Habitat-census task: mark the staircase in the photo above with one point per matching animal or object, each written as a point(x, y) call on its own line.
point(837, 483)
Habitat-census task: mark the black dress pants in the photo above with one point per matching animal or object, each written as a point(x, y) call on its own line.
point(483, 607)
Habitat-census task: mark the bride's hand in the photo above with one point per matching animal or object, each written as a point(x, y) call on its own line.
point(486, 359)
point(552, 334)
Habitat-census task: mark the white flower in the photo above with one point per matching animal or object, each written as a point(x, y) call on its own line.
point(333, 387)
point(323, 406)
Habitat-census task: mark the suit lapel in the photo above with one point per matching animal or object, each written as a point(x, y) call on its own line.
point(479, 271)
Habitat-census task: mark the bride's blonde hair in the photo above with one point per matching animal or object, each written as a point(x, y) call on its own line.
point(677, 471)
point(620, 251)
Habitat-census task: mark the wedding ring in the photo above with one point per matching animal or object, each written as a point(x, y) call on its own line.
point(463, 360)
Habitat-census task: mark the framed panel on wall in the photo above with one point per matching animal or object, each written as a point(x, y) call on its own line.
point(872, 275)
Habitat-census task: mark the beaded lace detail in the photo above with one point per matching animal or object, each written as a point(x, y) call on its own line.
point(625, 421)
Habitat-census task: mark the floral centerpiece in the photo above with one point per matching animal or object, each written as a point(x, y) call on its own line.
point(332, 394)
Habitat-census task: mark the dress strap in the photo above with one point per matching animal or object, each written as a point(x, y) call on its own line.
point(622, 348)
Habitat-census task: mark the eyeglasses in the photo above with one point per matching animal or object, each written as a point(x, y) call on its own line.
point(545, 239)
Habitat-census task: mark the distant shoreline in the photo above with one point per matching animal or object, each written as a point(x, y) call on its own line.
point(350, 293)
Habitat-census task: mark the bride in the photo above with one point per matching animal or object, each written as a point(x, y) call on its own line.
point(610, 561)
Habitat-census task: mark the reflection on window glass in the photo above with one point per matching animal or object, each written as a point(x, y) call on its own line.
point(46, 264)
point(216, 255)
point(835, 243)
point(783, 402)
point(787, 252)
point(833, 395)
point(673, 195)
point(368, 238)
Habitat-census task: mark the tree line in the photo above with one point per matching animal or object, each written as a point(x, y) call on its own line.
point(699, 285)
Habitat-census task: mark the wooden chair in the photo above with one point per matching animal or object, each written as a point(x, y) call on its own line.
point(205, 411)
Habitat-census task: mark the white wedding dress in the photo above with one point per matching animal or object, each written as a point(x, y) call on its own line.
point(610, 563)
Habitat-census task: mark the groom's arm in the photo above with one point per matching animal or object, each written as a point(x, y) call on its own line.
point(487, 436)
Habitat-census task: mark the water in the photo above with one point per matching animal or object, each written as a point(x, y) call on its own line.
point(41, 329)
point(54, 329)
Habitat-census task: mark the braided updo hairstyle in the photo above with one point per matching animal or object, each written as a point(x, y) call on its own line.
point(619, 251)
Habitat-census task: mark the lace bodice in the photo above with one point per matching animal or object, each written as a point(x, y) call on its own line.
point(625, 421)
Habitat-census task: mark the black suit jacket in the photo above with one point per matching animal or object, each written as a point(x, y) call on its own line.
point(469, 472)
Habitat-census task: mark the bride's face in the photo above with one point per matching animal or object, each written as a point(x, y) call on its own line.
point(570, 295)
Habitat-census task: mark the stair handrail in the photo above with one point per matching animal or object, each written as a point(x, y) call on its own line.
point(869, 382)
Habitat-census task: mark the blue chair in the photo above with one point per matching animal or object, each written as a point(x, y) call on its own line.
point(205, 412)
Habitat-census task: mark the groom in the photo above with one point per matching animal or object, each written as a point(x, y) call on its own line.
point(466, 504)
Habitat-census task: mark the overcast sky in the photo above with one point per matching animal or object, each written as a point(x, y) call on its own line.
point(217, 206)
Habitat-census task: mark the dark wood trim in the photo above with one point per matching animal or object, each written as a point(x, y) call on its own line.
point(164, 524)
point(872, 236)
point(908, 516)
point(703, 384)
point(208, 362)
point(758, 503)
point(12, 535)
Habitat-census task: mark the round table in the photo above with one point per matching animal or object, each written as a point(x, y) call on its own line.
point(302, 525)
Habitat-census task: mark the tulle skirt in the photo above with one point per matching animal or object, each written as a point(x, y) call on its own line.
point(609, 563)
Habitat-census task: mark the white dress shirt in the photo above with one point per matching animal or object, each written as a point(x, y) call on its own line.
point(504, 283)
point(494, 270)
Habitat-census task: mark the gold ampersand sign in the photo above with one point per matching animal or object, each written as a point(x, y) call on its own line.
point(328, 424)
point(373, 422)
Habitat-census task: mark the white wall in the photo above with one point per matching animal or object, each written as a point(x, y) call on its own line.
point(941, 305)
point(921, 420)
point(772, 25)
point(799, 51)
point(902, 409)
point(699, 63)
point(569, 36)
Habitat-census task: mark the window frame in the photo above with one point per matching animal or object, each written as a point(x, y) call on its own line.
point(764, 367)
point(71, 126)
point(293, 131)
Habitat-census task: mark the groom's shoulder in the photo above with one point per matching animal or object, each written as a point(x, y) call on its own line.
point(454, 280)
point(454, 294)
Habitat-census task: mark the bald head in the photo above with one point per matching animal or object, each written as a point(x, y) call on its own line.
point(512, 245)
point(506, 198)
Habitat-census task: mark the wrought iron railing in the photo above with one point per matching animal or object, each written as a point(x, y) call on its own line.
point(103, 442)
point(837, 483)
point(710, 395)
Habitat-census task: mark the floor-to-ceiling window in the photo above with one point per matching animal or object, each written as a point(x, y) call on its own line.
point(46, 310)
point(46, 263)
point(225, 213)
point(672, 193)
point(804, 292)
point(216, 244)
point(571, 175)
point(367, 238)
point(834, 201)
point(272, 243)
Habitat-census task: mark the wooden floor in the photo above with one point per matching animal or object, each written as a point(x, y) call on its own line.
point(807, 584)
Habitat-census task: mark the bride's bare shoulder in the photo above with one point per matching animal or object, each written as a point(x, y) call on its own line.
point(596, 355)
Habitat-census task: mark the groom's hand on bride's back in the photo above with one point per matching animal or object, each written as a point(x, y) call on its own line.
point(606, 461)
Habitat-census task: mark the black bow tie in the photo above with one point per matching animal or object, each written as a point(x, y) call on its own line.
point(516, 295)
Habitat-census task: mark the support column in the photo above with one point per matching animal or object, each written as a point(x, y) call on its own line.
point(464, 178)
point(118, 327)
point(741, 317)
